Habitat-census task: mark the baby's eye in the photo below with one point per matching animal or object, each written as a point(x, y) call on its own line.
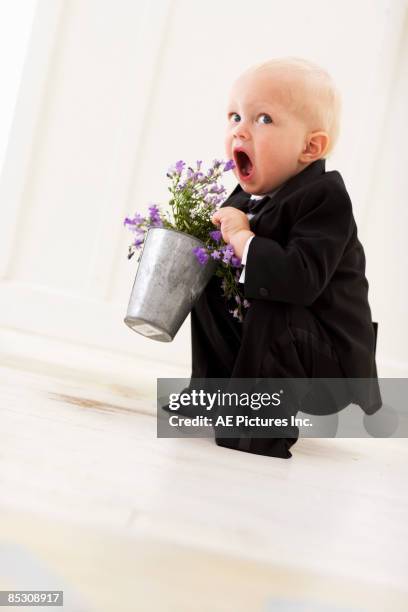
point(234, 115)
point(269, 119)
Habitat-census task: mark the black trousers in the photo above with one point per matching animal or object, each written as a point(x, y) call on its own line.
point(307, 351)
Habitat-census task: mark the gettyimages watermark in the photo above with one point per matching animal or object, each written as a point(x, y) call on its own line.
point(282, 407)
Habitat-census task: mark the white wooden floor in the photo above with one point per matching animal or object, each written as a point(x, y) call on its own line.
point(93, 503)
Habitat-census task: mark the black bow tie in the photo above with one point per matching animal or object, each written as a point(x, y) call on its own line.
point(254, 206)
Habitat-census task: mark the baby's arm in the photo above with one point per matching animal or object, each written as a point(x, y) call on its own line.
point(298, 272)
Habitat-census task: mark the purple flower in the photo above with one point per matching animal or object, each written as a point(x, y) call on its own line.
point(228, 253)
point(235, 261)
point(179, 166)
point(132, 223)
point(138, 242)
point(216, 255)
point(176, 168)
point(129, 221)
point(229, 165)
point(153, 209)
point(214, 200)
point(139, 219)
point(154, 215)
point(216, 235)
point(201, 255)
point(217, 189)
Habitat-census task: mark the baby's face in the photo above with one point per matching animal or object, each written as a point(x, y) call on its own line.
point(260, 122)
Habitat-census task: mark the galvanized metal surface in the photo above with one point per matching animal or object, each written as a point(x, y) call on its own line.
point(169, 280)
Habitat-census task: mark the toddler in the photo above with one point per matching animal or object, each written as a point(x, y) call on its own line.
point(291, 223)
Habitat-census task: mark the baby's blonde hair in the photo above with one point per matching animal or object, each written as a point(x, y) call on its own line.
point(310, 93)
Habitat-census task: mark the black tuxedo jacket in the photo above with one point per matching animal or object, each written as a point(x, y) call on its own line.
point(305, 252)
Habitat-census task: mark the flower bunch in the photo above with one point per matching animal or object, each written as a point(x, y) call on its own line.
point(195, 196)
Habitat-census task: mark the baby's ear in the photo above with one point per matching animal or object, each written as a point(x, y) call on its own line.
point(315, 147)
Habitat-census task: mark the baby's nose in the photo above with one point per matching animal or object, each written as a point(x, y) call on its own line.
point(241, 130)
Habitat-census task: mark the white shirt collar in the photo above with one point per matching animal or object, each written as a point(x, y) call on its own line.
point(269, 193)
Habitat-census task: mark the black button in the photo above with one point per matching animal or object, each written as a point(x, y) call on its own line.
point(264, 292)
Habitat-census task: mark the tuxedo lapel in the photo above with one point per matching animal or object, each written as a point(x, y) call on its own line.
point(304, 177)
point(239, 198)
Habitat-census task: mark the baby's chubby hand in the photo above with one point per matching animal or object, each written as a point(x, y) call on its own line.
point(234, 227)
point(232, 221)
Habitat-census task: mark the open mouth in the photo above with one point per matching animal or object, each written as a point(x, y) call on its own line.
point(244, 164)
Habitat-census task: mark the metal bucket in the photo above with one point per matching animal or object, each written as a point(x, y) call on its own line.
point(169, 280)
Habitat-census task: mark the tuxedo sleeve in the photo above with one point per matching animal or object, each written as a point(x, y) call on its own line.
point(300, 270)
